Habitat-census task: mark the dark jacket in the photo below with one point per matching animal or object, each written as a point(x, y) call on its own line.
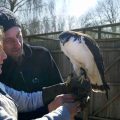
point(36, 70)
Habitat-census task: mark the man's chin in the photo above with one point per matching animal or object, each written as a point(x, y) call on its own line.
point(16, 55)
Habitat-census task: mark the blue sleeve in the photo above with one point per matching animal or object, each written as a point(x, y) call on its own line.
point(60, 113)
point(26, 101)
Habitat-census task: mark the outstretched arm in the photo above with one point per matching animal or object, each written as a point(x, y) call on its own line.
point(62, 107)
point(25, 101)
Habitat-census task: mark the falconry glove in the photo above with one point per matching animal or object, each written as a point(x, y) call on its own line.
point(74, 86)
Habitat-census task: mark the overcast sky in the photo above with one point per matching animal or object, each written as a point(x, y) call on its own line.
point(74, 7)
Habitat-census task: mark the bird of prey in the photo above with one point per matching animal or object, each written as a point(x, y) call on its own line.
point(85, 56)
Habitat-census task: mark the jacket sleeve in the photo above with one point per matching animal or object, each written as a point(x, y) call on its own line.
point(25, 101)
point(8, 110)
point(5, 116)
point(60, 113)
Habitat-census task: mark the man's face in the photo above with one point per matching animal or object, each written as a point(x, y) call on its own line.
point(13, 42)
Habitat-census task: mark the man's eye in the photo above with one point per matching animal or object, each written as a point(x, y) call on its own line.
point(8, 40)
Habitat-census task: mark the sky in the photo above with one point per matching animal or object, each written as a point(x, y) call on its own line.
point(74, 7)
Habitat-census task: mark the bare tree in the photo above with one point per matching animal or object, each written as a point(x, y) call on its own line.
point(106, 12)
point(85, 20)
point(36, 16)
point(109, 10)
point(61, 24)
point(71, 22)
point(21, 5)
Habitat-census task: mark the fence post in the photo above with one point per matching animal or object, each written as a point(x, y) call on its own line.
point(99, 33)
point(85, 113)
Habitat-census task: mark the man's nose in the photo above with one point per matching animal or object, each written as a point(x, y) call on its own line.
point(17, 43)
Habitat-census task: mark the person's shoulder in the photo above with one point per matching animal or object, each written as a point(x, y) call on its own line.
point(40, 51)
point(37, 51)
point(39, 48)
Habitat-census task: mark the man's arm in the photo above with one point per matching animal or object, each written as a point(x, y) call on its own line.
point(60, 113)
point(25, 101)
point(66, 111)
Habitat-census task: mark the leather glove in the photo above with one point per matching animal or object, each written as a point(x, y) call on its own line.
point(49, 93)
point(81, 89)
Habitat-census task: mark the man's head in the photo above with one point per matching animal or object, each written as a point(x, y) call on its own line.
point(13, 41)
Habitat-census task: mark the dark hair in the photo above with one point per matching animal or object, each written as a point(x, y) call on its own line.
point(7, 19)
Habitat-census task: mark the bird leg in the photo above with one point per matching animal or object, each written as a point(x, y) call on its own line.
point(80, 87)
point(82, 75)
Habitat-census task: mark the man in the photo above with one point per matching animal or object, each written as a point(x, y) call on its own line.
point(12, 101)
point(26, 68)
point(21, 101)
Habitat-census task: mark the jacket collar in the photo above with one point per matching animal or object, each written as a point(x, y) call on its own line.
point(27, 50)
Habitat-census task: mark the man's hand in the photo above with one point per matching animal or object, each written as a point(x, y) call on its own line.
point(73, 108)
point(60, 100)
point(68, 101)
